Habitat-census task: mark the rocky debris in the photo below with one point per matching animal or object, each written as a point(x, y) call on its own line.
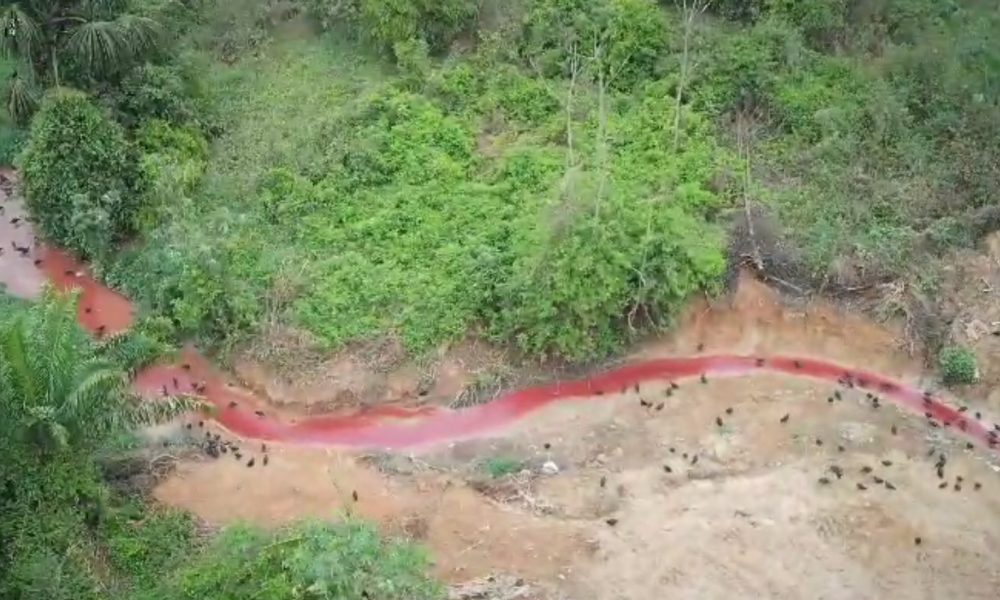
point(494, 587)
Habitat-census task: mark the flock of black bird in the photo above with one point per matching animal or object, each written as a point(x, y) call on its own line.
point(835, 472)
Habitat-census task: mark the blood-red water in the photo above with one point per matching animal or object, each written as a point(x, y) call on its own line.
point(104, 311)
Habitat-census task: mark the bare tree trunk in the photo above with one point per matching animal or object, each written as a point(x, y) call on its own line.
point(602, 125)
point(744, 140)
point(574, 68)
point(690, 9)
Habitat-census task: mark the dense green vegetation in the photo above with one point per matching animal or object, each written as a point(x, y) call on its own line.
point(559, 176)
point(958, 365)
point(66, 533)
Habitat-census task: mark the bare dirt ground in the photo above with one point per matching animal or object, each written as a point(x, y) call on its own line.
point(671, 504)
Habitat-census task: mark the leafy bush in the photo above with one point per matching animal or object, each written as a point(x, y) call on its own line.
point(624, 38)
point(501, 466)
point(79, 175)
point(321, 561)
point(958, 365)
point(151, 91)
point(386, 23)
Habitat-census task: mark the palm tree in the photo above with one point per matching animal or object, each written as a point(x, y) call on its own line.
point(58, 390)
point(96, 36)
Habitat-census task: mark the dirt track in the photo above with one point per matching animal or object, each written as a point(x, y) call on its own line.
point(748, 518)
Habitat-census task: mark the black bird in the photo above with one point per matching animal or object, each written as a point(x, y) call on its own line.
point(265, 460)
point(233, 404)
point(263, 447)
point(175, 383)
point(823, 481)
point(201, 424)
point(668, 392)
point(889, 486)
point(259, 413)
point(866, 470)
point(694, 460)
point(886, 463)
point(862, 486)
point(729, 410)
point(604, 480)
point(958, 487)
point(940, 472)
point(251, 462)
point(942, 485)
point(674, 386)
point(611, 522)
point(667, 469)
point(979, 415)
point(784, 419)
point(976, 486)
point(659, 406)
point(760, 362)
point(837, 395)
point(969, 445)
point(38, 262)
point(644, 404)
point(878, 479)
point(840, 448)
point(836, 470)
point(819, 442)
point(718, 421)
point(673, 450)
point(829, 399)
point(963, 408)
point(704, 378)
point(798, 364)
point(237, 455)
point(547, 446)
point(637, 388)
point(701, 346)
point(354, 494)
point(187, 426)
point(894, 430)
point(163, 390)
point(88, 310)
point(917, 540)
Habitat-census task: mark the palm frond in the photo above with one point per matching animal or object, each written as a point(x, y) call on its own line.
point(106, 46)
point(143, 412)
point(140, 34)
point(19, 34)
point(132, 350)
point(98, 46)
point(21, 99)
point(15, 355)
point(99, 379)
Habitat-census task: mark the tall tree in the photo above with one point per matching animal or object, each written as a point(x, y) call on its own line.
point(97, 38)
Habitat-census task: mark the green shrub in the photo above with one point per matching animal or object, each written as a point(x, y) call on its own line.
point(624, 38)
point(386, 23)
point(79, 175)
point(320, 561)
point(501, 466)
point(958, 365)
point(150, 91)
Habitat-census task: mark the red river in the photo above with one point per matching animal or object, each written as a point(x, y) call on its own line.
point(105, 312)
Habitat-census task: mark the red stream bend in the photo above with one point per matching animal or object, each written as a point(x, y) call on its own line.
point(103, 311)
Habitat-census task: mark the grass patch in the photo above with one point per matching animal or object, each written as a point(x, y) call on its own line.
point(501, 466)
